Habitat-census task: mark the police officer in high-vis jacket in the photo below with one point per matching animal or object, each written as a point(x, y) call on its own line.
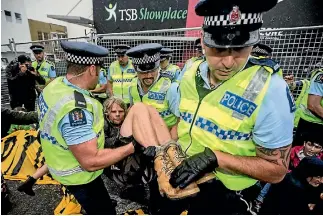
point(166, 67)
point(310, 111)
point(71, 129)
point(44, 67)
point(120, 74)
point(151, 86)
point(231, 123)
point(262, 51)
point(198, 56)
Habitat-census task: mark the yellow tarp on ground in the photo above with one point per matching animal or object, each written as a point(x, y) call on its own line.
point(21, 155)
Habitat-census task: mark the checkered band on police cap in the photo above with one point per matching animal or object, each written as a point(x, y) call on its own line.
point(146, 59)
point(84, 60)
point(119, 50)
point(260, 51)
point(227, 20)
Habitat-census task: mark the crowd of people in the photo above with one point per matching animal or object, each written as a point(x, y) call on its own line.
point(213, 138)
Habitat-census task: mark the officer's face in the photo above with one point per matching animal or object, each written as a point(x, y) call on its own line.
point(93, 76)
point(147, 78)
point(315, 181)
point(123, 60)
point(224, 63)
point(312, 149)
point(39, 56)
point(116, 114)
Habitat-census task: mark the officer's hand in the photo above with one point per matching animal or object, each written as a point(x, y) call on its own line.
point(192, 168)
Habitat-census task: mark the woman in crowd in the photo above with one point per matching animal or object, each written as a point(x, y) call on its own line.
point(298, 191)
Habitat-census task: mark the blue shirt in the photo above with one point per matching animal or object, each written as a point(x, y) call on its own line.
point(77, 132)
point(275, 122)
point(102, 78)
point(52, 72)
point(316, 87)
point(122, 70)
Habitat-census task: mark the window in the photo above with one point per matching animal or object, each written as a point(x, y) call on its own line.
point(40, 35)
point(18, 16)
point(46, 36)
point(7, 13)
point(8, 16)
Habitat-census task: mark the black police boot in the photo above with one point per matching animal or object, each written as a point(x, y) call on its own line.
point(27, 186)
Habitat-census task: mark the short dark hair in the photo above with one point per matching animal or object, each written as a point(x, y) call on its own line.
point(76, 69)
point(23, 59)
point(313, 138)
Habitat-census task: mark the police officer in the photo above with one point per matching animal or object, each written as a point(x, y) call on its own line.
point(230, 122)
point(166, 68)
point(262, 51)
point(151, 86)
point(71, 129)
point(311, 108)
point(198, 56)
point(101, 88)
point(120, 74)
point(44, 67)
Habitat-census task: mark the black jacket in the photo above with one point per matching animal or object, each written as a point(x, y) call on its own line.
point(293, 194)
point(21, 85)
point(9, 117)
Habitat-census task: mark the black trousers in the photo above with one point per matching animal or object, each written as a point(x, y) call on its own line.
point(29, 103)
point(213, 198)
point(93, 197)
point(306, 127)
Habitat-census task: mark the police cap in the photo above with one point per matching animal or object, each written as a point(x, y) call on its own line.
point(121, 49)
point(166, 53)
point(145, 57)
point(261, 50)
point(84, 53)
point(232, 23)
point(37, 48)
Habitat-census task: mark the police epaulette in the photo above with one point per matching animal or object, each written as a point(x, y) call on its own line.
point(49, 62)
point(79, 99)
point(165, 75)
point(265, 62)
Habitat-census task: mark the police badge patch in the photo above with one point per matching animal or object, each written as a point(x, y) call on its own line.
point(319, 78)
point(77, 118)
point(292, 105)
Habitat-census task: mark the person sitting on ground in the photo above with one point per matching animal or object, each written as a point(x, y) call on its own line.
point(312, 147)
point(298, 189)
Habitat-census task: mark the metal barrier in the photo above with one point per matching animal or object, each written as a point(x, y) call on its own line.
point(297, 50)
point(53, 53)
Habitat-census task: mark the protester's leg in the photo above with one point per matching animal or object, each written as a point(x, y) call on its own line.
point(27, 186)
point(146, 126)
point(93, 197)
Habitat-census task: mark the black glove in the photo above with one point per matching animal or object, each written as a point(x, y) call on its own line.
point(27, 186)
point(193, 168)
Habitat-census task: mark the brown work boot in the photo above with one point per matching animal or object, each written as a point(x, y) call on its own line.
point(164, 167)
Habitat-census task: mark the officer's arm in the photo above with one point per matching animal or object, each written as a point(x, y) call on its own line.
point(314, 104)
point(52, 74)
point(92, 159)
point(110, 83)
point(269, 165)
point(315, 95)
point(101, 89)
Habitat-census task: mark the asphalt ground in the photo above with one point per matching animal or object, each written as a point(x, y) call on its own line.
point(49, 196)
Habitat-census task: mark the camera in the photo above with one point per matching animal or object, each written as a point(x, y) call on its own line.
point(30, 68)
